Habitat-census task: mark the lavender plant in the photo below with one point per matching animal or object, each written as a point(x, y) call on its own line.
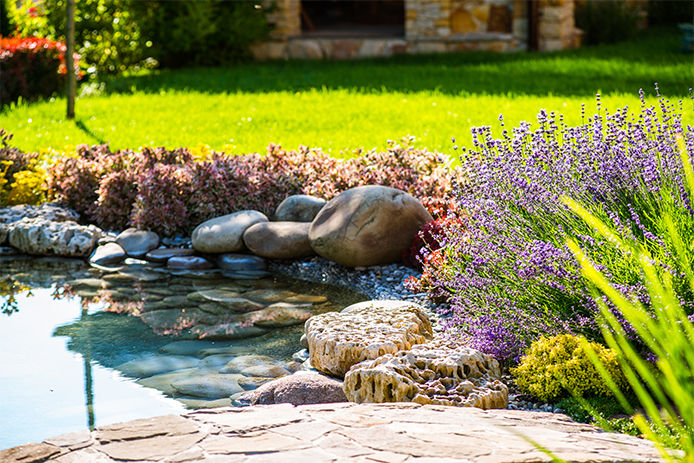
point(508, 274)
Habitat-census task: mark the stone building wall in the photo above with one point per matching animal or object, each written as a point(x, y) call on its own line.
point(556, 26)
point(431, 26)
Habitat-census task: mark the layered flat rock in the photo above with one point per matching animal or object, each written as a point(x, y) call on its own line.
point(47, 211)
point(42, 237)
point(368, 225)
point(397, 432)
point(438, 372)
point(225, 233)
point(299, 208)
point(336, 341)
point(279, 240)
point(383, 304)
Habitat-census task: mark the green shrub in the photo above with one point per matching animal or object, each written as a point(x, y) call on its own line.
point(107, 33)
point(203, 32)
point(584, 409)
point(116, 35)
point(6, 24)
point(607, 21)
point(559, 366)
point(669, 12)
point(28, 19)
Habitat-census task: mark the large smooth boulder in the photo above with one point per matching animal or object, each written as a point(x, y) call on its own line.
point(38, 236)
point(368, 225)
point(337, 340)
point(437, 373)
point(298, 389)
point(279, 240)
point(225, 233)
point(299, 208)
point(137, 243)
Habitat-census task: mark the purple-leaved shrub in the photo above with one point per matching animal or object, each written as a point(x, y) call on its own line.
point(506, 271)
point(169, 192)
point(161, 200)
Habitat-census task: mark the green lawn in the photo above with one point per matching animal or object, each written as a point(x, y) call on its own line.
point(343, 105)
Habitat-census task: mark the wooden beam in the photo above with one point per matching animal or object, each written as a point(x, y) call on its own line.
point(69, 58)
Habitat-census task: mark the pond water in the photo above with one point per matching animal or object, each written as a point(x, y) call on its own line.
point(82, 347)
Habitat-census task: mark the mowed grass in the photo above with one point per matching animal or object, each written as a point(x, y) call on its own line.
point(340, 106)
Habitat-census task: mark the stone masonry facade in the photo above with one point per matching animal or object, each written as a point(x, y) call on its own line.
point(431, 26)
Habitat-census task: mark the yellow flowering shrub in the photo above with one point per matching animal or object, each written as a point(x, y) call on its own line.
point(28, 187)
point(558, 366)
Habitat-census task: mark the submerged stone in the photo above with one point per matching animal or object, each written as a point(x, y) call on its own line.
point(189, 263)
point(188, 347)
point(232, 330)
point(279, 315)
point(162, 382)
point(156, 364)
point(210, 386)
point(236, 263)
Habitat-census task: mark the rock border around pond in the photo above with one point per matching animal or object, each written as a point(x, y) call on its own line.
point(362, 226)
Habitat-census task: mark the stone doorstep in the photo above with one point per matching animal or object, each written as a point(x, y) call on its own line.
point(395, 432)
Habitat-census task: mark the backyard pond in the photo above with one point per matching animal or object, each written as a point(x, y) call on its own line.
point(82, 347)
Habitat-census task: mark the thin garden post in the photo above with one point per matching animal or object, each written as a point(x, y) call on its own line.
point(69, 58)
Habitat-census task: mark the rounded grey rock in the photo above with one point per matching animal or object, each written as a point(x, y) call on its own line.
point(279, 240)
point(137, 243)
point(299, 208)
point(298, 389)
point(368, 225)
point(107, 254)
point(164, 254)
point(225, 233)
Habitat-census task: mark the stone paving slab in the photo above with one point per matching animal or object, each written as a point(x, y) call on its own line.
point(341, 432)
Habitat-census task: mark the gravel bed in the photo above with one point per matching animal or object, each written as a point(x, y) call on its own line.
point(386, 282)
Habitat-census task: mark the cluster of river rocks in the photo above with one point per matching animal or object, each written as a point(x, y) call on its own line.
point(384, 351)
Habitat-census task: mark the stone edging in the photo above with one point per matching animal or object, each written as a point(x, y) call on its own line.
point(341, 432)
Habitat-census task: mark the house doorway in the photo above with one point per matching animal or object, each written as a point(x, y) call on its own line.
point(353, 18)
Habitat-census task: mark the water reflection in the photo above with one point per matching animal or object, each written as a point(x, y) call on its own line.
point(114, 336)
